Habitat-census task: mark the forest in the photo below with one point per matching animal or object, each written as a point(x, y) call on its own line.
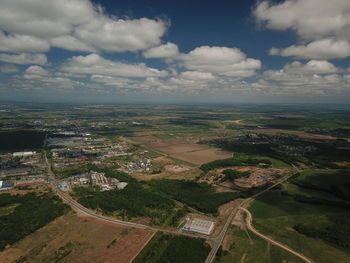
point(236, 161)
point(175, 249)
point(132, 201)
point(32, 212)
point(200, 196)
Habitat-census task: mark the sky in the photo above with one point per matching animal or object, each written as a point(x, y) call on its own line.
point(225, 51)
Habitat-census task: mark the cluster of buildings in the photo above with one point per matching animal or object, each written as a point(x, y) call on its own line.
point(21, 163)
point(23, 181)
point(92, 178)
point(68, 151)
point(21, 169)
point(137, 166)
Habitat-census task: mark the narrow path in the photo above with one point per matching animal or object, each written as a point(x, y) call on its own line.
point(270, 240)
point(144, 245)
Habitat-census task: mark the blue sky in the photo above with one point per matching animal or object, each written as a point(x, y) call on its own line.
point(175, 51)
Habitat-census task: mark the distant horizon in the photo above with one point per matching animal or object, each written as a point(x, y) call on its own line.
point(182, 103)
point(261, 51)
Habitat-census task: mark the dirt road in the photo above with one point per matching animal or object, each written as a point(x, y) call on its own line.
point(249, 220)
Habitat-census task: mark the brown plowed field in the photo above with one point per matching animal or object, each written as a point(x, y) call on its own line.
point(184, 149)
point(92, 242)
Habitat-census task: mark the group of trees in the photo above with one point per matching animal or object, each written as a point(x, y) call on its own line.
point(248, 161)
point(336, 183)
point(174, 249)
point(132, 201)
point(17, 140)
point(200, 196)
point(231, 175)
point(338, 232)
point(318, 153)
point(33, 212)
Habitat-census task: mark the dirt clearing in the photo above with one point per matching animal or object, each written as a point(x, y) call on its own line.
point(72, 238)
point(184, 149)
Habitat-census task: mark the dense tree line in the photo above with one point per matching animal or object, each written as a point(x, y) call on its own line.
point(336, 183)
point(248, 161)
point(338, 232)
point(319, 201)
point(319, 153)
point(231, 175)
point(132, 201)
point(164, 248)
point(33, 212)
point(200, 196)
point(19, 140)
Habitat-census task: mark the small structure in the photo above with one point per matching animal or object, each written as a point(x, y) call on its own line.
point(22, 154)
point(121, 185)
point(6, 185)
point(30, 181)
point(199, 226)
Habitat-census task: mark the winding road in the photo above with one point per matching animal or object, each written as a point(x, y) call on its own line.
point(79, 208)
point(216, 240)
point(249, 221)
point(219, 239)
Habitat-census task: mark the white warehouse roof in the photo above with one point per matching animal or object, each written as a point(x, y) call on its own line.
point(200, 226)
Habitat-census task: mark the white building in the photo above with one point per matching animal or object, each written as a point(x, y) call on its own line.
point(199, 226)
point(22, 154)
point(121, 185)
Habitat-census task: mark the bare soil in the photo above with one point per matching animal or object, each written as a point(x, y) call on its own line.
point(93, 241)
point(184, 149)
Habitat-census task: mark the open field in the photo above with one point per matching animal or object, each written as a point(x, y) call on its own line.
point(276, 215)
point(184, 149)
point(72, 238)
point(202, 156)
point(179, 161)
point(240, 246)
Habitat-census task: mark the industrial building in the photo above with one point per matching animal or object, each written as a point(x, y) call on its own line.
point(22, 154)
point(199, 226)
point(6, 185)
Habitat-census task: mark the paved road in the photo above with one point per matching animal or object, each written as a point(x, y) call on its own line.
point(270, 240)
point(78, 207)
point(218, 240)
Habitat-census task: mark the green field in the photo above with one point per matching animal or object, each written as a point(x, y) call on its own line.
point(164, 248)
point(308, 217)
point(253, 249)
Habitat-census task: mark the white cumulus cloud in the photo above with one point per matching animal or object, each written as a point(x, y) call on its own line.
point(223, 61)
point(168, 50)
point(95, 64)
point(8, 68)
point(322, 25)
point(24, 58)
point(319, 49)
point(22, 43)
point(77, 25)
